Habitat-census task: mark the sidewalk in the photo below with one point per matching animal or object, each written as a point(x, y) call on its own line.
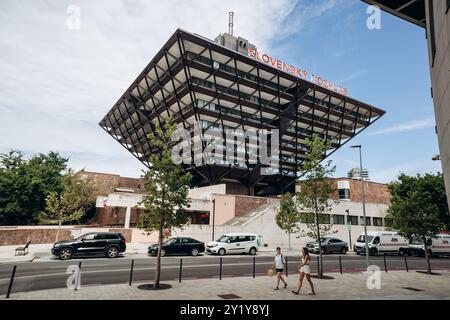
point(342, 287)
point(42, 252)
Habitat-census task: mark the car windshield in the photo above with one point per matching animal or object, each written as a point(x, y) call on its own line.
point(169, 241)
point(223, 238)
point(416, 241)
point(86, 236)
point(361, 238)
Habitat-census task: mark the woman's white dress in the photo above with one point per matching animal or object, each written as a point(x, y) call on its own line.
point(305, 269)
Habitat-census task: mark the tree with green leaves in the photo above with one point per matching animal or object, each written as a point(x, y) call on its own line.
point(167, 187)
point(314, 199)
point(71, 204)
point(419, 208)
point(26, 183)
point(287, 217)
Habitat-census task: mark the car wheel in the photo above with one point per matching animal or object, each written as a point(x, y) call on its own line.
point(373, 252)
point(194, 252)
point(324, 251)
point(65, 253)
point(153, 253)
point(252, 251)
point(402, 252)
point(343, 250)
point(112, 252)
point(163, 253)
point(222, 252)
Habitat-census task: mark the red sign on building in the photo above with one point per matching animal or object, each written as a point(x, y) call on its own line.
point(299, 73)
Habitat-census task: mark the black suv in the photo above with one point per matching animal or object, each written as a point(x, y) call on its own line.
point(94, 243)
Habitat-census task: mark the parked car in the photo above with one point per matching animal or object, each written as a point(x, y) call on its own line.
point(382, 242)
point(234, 243)
point(174, 246)
point(94, 243)
point(328, 245)
point(436, 246)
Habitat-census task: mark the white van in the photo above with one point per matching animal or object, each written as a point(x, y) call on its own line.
point(382, 242)
point(234, 243)
point(436, 246)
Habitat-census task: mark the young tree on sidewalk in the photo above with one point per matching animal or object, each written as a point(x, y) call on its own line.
point(166, 187)
point(287, 217)
point(419, 208)
point(314, 199)
point(70, 205)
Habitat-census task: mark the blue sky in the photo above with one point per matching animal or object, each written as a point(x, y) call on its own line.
point(60, 82)
point(387, 68)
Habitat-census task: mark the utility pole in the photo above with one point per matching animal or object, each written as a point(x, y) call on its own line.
point(363, 202)
point(349, 226)
point(213, 217)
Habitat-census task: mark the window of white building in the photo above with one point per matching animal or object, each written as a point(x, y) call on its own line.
point(377, 222)
point(338, 219)
point(344, 190)
point(368, 222)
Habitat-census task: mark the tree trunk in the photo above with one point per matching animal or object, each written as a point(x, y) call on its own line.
point(319, 240)
point(427, 256)
point(320, 271)
point(158, 256)
point(57, 232)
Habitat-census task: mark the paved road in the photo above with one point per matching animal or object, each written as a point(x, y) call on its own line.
point(52, 274)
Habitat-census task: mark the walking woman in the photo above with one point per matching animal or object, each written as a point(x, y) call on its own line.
point(305, 269)
point(278, 263)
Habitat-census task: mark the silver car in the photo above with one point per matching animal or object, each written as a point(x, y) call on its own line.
point(328, 245)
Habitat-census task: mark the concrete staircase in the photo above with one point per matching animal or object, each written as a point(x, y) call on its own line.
point(242, 221)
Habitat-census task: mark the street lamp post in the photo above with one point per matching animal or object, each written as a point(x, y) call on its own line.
point(209, 196)
point(363, 201)
point(213, 217)
point(349, 226)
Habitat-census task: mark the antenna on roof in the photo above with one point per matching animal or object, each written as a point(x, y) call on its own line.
point(230, 22)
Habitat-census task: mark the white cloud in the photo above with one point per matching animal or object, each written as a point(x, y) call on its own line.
point(407, 126)
point(352, 76)
point(58, 83)
point(304, 12)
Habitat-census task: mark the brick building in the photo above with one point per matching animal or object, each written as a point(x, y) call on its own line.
point(223, 209)
point(114, 182)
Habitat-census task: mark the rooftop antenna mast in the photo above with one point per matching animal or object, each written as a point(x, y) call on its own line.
point(230, 22)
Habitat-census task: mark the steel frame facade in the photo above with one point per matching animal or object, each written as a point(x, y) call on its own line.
point(195, 79)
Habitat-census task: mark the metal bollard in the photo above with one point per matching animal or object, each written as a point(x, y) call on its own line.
point(181, 269)
point(220, 270)
point(318, 265)
point(385, 265)
point(340, 264)
point(11, 282)
point(287, 272)
point(131, 272)
point(78, 276)
point(406, 265)
point(254, 266)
